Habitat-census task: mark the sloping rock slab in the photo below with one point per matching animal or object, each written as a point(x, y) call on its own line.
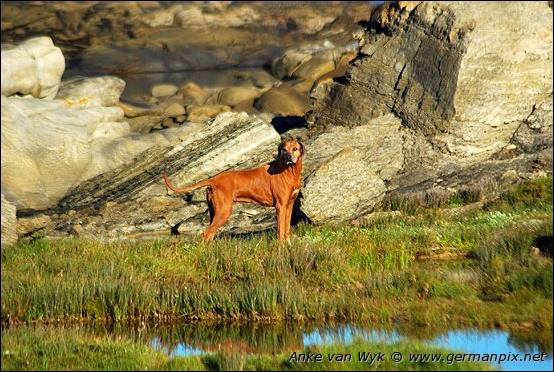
point(133, 201)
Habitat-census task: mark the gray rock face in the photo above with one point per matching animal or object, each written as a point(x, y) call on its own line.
point(368, 155)
point(380, 139)
point(9, 223)
point(474, 104)
point(342, 188)
point(33, 67)
point(409, 67)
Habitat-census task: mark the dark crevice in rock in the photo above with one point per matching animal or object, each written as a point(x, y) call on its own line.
point(175, 229)
point(285, 123)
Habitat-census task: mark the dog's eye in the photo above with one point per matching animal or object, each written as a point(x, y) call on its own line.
point(294, 149)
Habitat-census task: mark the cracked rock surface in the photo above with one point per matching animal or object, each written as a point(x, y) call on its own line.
point(471, 85)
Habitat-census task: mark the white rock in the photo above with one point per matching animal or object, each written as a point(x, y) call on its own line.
point(92, 92)
point(107, 130)
point(33, 67)
point(46, 147)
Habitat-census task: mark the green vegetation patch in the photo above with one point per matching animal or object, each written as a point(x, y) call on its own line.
point(472, 266)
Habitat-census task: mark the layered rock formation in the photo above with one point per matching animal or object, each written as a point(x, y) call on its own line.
point(71, 164)
point(131, 200)
point(471, 84)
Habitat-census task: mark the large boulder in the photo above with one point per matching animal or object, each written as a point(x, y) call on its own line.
point(47, 147)
point(381, 139)
point(342, 188)
point(33, 67)
point(92, 92)
point(345, 169)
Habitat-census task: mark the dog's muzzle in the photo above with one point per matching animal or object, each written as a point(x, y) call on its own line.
point(289, 159)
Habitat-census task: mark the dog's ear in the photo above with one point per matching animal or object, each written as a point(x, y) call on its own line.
point(280, 149)
point(302, 149)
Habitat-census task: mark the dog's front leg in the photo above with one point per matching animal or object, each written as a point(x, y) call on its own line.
point(288, 218)
point(281, 210)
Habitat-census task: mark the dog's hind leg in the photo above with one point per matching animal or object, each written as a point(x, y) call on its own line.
point(222, 206)
point(209, 200)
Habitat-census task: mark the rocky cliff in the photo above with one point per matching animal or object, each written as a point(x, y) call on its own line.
point(470, 83)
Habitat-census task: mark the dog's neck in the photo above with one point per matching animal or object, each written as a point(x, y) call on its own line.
point(296, 168)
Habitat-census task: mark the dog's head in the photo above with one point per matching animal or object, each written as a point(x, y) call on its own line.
point(290, 150)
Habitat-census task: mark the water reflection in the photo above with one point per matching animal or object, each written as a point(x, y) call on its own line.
point(261, 339)
point(270, 339)
point(347, 334)
point(254, 338)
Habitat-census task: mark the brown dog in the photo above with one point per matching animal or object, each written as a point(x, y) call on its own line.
point(274, 185)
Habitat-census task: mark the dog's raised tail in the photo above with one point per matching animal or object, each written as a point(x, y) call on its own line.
point(185, 189)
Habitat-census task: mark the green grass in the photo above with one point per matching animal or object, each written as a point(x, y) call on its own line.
point(367, 272)
point(47, 349)
point(37, 348)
